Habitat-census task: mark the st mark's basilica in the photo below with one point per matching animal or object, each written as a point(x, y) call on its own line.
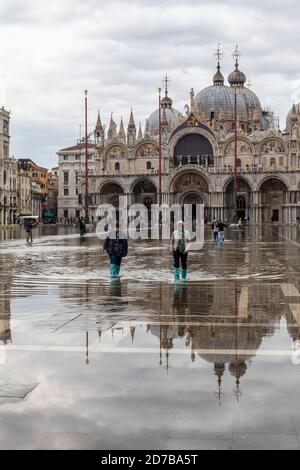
point(198, 154)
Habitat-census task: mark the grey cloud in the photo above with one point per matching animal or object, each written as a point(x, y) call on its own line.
point(120, 52)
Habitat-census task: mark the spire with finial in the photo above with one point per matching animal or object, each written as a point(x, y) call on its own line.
point(99, 131)
point(112, 130)
point(98, 123)
point(122, 135)
point(140, 134)
point(132, 333)
point(131, 131)
point(131, 124)
point(238, 369)
point(218, 77)
point(147, 128)
point(166, 102)
point(237, 78)
point(219, 372)
point(192, 100)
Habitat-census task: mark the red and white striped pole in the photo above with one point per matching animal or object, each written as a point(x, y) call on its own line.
point(160, 147)
point(86, 159)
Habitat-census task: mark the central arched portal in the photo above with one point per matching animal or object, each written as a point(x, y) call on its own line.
point(191, 188)
point(193, 149)
point(110, 194)
point(192, 199)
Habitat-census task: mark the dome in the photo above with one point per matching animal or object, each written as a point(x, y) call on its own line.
point(218, 78)
point(173, 118)
point(294, 112)
point(237, 78)
point(215, 98)
point(252, 102)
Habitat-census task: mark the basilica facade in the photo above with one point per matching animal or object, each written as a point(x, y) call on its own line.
point(198, 157)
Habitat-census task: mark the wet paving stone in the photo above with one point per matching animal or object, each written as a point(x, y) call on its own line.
point(208, 364)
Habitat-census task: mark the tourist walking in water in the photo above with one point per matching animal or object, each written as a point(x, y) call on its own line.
point(221, 232)
point(116, 246)
point(29, 225)
point(82, 226)
point(180, 242)
point(215, 230)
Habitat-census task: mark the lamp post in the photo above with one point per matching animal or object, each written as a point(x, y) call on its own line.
point(86, 159)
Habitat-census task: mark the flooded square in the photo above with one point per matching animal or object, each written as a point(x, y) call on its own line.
point(140, 362)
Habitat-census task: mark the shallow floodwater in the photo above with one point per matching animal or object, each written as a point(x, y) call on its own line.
point(89, 363)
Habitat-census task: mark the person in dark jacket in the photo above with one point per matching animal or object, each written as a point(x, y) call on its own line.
point(116, 246)
point(29, 225)
point(82, 226)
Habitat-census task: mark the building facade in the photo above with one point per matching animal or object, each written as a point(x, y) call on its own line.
point(37, 199)
point(38, 175)
point(198, 157)
point(25, 196)
point(52, 201)
point(71, 171)
point(8, 174)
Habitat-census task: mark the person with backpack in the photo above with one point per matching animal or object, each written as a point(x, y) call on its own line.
point(29, 225)
point(116, 246)
point(180, 243)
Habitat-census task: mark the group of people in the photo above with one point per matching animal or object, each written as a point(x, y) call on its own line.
point(116, 246)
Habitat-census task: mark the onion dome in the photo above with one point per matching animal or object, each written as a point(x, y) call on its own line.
point(166, 102)
point(218, 77)
point(170, 115)
point(237, 78)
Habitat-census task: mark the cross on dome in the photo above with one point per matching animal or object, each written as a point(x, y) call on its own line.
point(236, 55)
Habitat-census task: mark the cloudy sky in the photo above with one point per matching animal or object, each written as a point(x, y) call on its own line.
point(120, 50)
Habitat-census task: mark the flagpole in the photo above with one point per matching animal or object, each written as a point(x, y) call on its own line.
point(160, 148)
point(235, 152)
point(86, 159)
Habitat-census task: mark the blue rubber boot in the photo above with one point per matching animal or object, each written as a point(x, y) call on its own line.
point(113, 271)
point(184, 274)
point(118, 269)
point(177, 274)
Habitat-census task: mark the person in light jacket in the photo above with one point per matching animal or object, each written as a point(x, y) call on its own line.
point(180, 244)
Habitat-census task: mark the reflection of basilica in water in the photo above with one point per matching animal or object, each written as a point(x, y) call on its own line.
point(198, 145)
point(212, 324)
point(5, 314)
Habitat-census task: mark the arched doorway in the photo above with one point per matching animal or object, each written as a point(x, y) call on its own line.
point(144, 192)
point(243, 203)
point(193, 149)
point(190, 188)
point(110, 194)
point(192, 200)
point(272, 199)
